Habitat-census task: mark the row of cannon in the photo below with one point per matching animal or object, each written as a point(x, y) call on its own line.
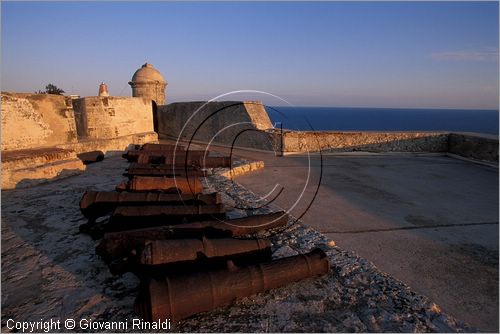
point(190, 259)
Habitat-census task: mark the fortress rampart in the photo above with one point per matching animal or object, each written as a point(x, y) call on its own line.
point(469, 145)
point(42, 133)
point(245, 123)
point(111, 117)
point(36, 120)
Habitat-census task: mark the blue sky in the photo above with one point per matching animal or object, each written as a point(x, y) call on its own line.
point(374, 54)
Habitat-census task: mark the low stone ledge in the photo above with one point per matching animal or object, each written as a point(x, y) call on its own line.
point(242, 169)
point(34, 157)
point(348, 141)
point(26, 168)
point(112, 146)
point(31, 176)
point(474, 146)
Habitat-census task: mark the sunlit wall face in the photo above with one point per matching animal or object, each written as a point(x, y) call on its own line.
point(382, 54)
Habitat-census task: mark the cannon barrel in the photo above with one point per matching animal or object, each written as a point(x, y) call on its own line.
point(94, 204)
point(180, 162)
point(163, 257)
point(91, 157)
point(177, 297)
point(180, 250)
point(177, 172)
point(120, 244)
point(161, 147)
point(132, 217)
point(132, 155)
point(181, 185)
point(165, 157)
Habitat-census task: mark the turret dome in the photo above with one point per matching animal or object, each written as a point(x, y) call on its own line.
point(147, 73)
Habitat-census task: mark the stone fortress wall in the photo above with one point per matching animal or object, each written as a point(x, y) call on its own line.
point(36, 120)
point(42, 133)
point(242, 122)
point(470, 145)
point(249, 123)
point(45, 120)
point(99, 117)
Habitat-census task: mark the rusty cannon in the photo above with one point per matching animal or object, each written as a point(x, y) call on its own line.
point(182, 185)
point(91, 157)
point(161, 147)
point(133, 154)
point(190, 160)
point(94, 204)
point(134, 217)
point(172, 171)
point(116, 245)
point(163, 257)
point(176, 297)
point(160, 252)
point(161, 157)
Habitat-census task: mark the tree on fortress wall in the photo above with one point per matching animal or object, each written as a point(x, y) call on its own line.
point(51, 89)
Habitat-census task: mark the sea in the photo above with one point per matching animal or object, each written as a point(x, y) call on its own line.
point(384, 119)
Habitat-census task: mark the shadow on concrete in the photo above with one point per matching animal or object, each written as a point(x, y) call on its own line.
point(65, 173)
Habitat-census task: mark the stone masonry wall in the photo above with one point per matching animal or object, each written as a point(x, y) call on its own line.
point(36, 120)
point(100, 117)
point(152, 90)
point(475, 146)
point(42, 134)
point(220, 122)
point(303, 141)
point(250, 124)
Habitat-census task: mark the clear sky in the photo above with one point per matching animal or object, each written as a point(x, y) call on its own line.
point(375, 54)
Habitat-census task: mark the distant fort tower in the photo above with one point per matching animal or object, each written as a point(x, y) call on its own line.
point(148, 82)
point(103, 89)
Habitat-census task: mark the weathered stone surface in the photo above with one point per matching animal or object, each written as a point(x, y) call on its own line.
point(313, 141)
point(25, 168)
point(469, 145)
point(243, 168)
point(40, 136)
point(111, 146)
point(100, 117)
point(220, 122)
point(475, 146)
point(36, 120)
point(34, 157)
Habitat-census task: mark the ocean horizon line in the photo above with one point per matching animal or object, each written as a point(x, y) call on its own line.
point(386, 119)
point(385, 108)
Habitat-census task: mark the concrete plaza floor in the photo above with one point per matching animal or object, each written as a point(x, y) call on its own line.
point(428, 220)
